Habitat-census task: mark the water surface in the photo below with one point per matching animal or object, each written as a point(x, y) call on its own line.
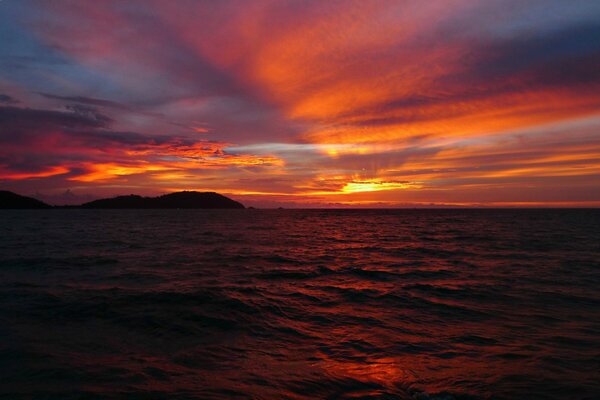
point(300, 304)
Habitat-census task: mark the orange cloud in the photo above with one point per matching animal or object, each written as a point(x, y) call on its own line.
point(103, 172)
point(378, 102)
point(50, 171)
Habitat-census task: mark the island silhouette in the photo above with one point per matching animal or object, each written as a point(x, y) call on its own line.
point(10, 200)
point(185, 199)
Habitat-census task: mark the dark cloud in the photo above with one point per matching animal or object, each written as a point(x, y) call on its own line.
point(89, 112)
point(6, 99)
point(499, 67)
point(81, 124)
point(18, 123)
point(502, 57)
point(561, 58)
point(70, 143)
point(88, 100)
point(33, 139)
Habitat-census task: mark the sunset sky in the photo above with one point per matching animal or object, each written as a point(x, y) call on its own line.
point(303, 103)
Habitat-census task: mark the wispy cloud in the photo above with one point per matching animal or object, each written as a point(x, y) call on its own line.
point(382, 101)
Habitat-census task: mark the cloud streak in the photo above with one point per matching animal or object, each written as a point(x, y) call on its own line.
point(79, 143)
point(311, 102)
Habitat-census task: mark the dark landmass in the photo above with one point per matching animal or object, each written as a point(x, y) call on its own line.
point(172, 200)
point(189, 200)
point(10, 200)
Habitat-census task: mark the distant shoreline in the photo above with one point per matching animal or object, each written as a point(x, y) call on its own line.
point(211, 200)
point(178, 200)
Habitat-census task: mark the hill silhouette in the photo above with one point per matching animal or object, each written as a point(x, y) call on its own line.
point(172, 200)
point(189, 200)
point(10, 200)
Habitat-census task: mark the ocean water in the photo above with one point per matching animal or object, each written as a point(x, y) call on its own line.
point(300, 304)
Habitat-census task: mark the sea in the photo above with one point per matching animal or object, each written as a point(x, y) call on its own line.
point(437, 304)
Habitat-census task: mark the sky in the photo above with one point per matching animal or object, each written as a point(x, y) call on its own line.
point(332, 103)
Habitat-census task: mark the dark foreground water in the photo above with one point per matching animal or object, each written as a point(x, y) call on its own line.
point(239, 304)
